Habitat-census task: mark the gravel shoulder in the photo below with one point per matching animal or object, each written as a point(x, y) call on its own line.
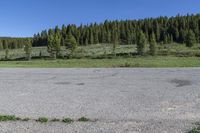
point(122, 100)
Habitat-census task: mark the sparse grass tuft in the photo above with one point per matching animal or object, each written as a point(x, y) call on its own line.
point(55, 120)
point(42, 119)
point(25, 119)
point(7, 118)
point(195, 130)
point(83, 119)
point(67, 120)
point(18, 118)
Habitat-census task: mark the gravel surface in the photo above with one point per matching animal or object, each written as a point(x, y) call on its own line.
point(122, 100)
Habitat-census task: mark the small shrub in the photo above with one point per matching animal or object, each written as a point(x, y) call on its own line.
point(195, 130)
point(42, 119)
point(25, 119)
point(18, 118)
point(55, 120)
point(7, 118)
point(67, 120)
point(83, 119)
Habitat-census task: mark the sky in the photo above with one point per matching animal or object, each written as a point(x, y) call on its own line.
point(24, 18)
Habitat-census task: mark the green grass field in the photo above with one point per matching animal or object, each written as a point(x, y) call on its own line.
point(100, 55)
point(82, 51)
point(98, 50)
point(164, 61)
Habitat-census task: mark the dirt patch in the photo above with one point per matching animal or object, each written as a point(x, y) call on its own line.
point(181, 83)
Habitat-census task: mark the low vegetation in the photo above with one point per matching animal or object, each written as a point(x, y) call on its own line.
point(83, 119)
point(8, 118)
point(55, 120)
point(196, 130)
point(147, 62)
point(168, 55)
point(67, 120)
point(42, 120)
point(25, 119)
point(4, 118)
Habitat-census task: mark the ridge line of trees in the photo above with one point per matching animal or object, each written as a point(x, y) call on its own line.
point(145, 33)
point(166, 30)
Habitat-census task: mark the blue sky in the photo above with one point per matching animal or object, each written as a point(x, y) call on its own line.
point(22, 18)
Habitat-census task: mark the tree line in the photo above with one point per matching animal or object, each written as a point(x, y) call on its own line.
point(165, 29)
point(145, 33)
point(13, 43)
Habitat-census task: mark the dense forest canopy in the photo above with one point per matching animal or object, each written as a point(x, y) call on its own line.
point(12, 43)
point(166, 30)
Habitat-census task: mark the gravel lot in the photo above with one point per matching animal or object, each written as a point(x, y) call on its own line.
point(122, 100)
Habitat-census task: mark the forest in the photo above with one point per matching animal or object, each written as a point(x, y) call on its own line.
point(149, 36)
point(166, 30)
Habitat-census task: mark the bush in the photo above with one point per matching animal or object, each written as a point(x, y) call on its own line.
point(83, 119)
point(196, 130)
point(55, 120)
point(25, 119)
point(42, 119)
point(67, 120)
point(7, 118)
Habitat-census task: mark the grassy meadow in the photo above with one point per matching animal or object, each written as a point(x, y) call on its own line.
point(149, 62)
point(171, 55)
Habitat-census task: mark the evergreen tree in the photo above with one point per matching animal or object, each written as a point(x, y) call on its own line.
point(114, 41)
point(54, 45)
point(190, 39)
point(153, 45)
point(96, 37)
point(91, 37)
point(141, 44)
point(5, 44)
point(57, 43)
point(71, 44)
point(1, 45)
point(86, 41)
point(6, 54)
point(28, 49)
point(50, 46)
point(165, 41)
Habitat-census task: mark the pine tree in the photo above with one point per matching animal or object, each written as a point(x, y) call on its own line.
point(165, 41)
point(177, 35)
point(91, 40)
point(157, 28)
point(5, 44)
point(57, 44)
point(141, 43)
point(71, 44)
point(108, 40)
point(28, 49)
point(1, 45)
point(96, 38)
point(54, 45)
point(129, 37)
point(6, 54)
point(86, 41)
point(190, 39)
point(153, 45)
point(114, 41)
